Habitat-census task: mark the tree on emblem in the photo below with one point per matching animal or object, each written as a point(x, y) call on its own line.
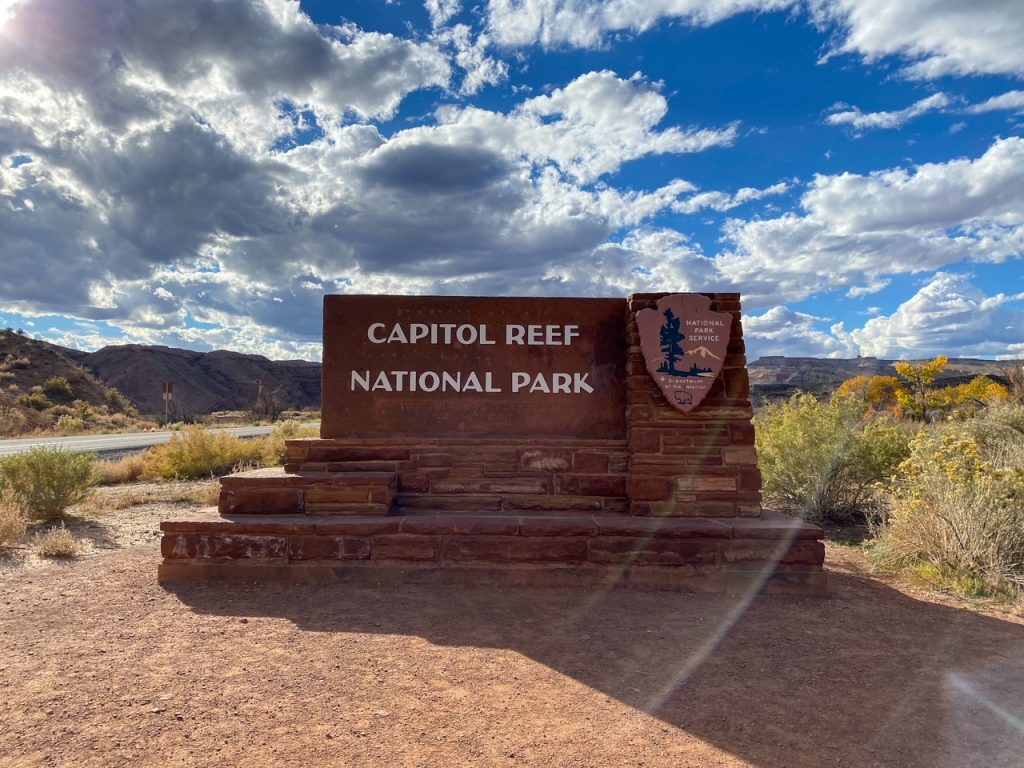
point(670, 338)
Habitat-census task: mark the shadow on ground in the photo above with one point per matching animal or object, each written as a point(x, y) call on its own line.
point(867, 676)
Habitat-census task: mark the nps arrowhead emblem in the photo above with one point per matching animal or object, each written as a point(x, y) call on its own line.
point(684, 344)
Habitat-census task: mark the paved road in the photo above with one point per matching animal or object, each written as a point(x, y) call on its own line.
point(110, 444)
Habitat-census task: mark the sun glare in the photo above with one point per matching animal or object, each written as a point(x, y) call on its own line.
point(7, 10)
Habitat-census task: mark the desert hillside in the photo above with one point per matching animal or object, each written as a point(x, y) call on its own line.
point(777, 377)
point(204, 382)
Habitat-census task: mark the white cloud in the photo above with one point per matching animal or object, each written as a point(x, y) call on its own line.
point(937, 37)
point(171, 214)
point(588, 128)
point(584, 23)
point(471, 57)
point(857, 291)
point(856, 229)
point(723, 201)
point(948, 315)
point(1011, 100)
point(783, 331)
point(441, 11)
point(861, 121)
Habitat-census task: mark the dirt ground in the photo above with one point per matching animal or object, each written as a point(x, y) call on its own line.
point(100, 666)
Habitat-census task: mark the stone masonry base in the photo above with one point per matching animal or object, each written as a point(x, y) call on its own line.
point(732, 556)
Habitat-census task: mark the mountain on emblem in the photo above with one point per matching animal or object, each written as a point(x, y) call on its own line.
point(684, 344)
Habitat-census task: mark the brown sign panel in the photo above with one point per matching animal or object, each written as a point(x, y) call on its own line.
point(473, 366)
point(684, 344)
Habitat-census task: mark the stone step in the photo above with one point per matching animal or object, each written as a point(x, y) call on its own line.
point(277, 491)
point(343, 466)
point(684, 551)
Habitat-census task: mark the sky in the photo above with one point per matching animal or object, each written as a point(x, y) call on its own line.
point(199, 173)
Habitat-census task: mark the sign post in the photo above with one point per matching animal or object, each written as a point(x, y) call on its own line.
point(168, 396)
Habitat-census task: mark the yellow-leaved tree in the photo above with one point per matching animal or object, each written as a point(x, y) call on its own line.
point(877, 393)
point(918, 397)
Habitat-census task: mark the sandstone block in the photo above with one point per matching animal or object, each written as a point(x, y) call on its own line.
point(591, 485)
point(515, 549)
point(328, 548)
point(271, 501)
point(221, 546)
point(545, 460)
point(643, 551)
point(404, 546)
point(586, 462)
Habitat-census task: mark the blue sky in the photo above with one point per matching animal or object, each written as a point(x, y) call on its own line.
point(199, 173)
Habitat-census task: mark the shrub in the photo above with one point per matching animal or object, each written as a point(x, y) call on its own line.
point(118, 402)
point(58, 388)
point(69, 425)
point(13, 522)
point(35, 400)
point(47, 481)
point(124, 470)
point(195, 452)
point(273, 445)
point(58, 542)
point(822, 461)
point(12, 422)
point(956, 514)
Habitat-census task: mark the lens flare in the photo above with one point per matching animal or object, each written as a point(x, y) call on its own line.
point(7, 9)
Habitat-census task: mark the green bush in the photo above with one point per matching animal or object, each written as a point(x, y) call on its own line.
point(821, 460)
point(195, 452)
point(46, 481)
point(956, 514)
point(58, 388)
point(35, 400)
point(118, 402)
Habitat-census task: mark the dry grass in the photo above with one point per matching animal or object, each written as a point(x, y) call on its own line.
point(13, 522)
point(58, 542)
point(202, 493)
point(125, 470)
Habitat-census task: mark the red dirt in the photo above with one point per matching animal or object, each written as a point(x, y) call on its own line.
point(100, 666)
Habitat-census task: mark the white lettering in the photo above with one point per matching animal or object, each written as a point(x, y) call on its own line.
point(580, 383)
point(519, 380)
point(362, 379)
point(430, 385)
point(514, 334)
point(382, 383)
point(418, 331)
point(371, 337)
point(540, 384)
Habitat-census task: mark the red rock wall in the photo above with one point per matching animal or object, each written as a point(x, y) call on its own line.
point(700, 464)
